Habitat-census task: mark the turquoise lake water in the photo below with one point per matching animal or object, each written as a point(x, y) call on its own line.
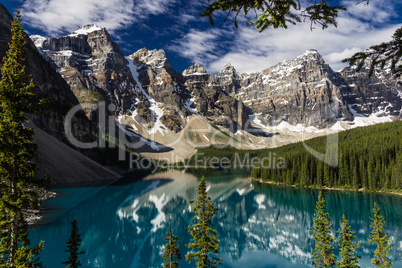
point(259, 225)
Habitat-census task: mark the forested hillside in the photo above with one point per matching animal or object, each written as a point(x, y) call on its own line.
point(369, 157)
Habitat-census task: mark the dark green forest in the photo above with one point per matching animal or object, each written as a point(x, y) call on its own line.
point(368, 157)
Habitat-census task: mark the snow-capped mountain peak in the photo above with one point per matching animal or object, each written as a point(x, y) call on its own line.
point(38, 39)
point(85, 30)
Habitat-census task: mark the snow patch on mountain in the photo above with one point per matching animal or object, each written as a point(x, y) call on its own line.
point(155, 106)
point(338, 126)
point(255, 120)
point(361, 120)
point(285, 126)
point(192, 74)
point(38, 40)
point(191, 102)
point(85, 30)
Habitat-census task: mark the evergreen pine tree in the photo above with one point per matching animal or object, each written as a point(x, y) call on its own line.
point(347, 247)
point(380, 238)
point(323, 253)
point(205, 244)
point(355, 177)
point(288, 177)
point(18, 192)
point(397, 172)
point(319, 173)
point(327, 177)
point(303, 178)
point(363, 173)
point(73, 245)
point(171, 250)
point(343, 172)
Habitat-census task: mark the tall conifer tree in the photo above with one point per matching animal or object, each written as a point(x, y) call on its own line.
point(17, 168)
point(323, 255)
point(347, 247)
point(73, 244)
point(205, 244)
point(171, 250)
point(380, 238)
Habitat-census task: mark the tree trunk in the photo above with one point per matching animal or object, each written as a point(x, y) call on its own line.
point(14, 235)
point(14, 222)
point(170, 243)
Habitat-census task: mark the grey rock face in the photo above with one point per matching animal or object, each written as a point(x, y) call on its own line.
point(306, 90)
point(93, 65)
point(302, 90)
point(163, 84)
point(158, 78)
point(227, 79)
point(212, 101)
point(380, 94)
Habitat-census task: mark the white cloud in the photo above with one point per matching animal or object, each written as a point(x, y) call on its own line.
point(59, 16)
point(186, 18)
point(188, 11)
point(251, 51)
point(339, 56)
point(378, 11)
point(199, 46)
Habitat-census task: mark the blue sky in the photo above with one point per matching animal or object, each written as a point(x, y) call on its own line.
point(176, 27)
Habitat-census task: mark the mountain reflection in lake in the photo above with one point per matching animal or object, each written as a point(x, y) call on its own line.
point(258, 225)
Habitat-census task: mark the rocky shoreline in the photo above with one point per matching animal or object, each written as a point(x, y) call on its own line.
point(32, 216)
point(326, 188)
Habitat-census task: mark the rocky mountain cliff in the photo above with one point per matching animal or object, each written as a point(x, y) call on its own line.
point(379, 94)
point(302, 90)
point(212, 100)
point(96, 69)
point(92, 64)
point(163, 88)
point(152, 97)
point(305, 90)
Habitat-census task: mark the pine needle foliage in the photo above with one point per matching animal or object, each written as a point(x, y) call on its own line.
point(171, 250)
point(73, 244)
point(17, 151)
point(381, 55)
point(205, 245)
point(321, 230)
point(380, 238)
point(347, 250)
point(277, 14)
